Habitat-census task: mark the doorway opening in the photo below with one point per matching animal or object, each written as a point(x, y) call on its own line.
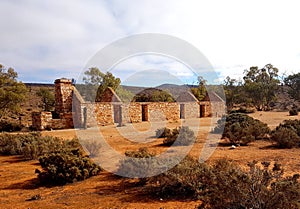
point(117, 113)
point(182, 111)
point(145, 116)
point(202, 111)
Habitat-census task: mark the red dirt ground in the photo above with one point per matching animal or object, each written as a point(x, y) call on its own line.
point(18, 182)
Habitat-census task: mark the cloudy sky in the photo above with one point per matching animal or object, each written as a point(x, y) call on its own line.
point(45, 40)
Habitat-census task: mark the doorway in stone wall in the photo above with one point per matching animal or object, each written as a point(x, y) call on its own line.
point(117, 113)
point(182, 111)
point(145, 114)
point(202, 111)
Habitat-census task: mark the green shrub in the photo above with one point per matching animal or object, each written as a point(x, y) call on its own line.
point(241, 128)
point(182, 136)
point(163, 132)
point(142, 164)
point(224, 184)
point(243, 110)
point(10, 145)
point(137, 164)
point(66, 166)
point(287, 134)
point(182, 181)
point(33, 145)
point(291, 124)
point(262, 186)
point(7, 126)
point(293, 112)
point(92, 147)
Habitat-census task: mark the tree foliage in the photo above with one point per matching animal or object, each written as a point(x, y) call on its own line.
point(261, 85)
point(293, 82)
point(200, 91)
point(153, 95)
point(12, 92)
point(47, 97)
point(234, 92)
point(95, 83)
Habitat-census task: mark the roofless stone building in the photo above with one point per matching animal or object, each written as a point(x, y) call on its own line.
point(72, 111)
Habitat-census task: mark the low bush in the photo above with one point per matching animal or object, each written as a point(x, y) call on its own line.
point(226, 185)
point(92, 147)
point(182, 136)
point(7, 126)
point(62, 161)
point(10, 145)
point(241, 128)
point(137, 164)
point(287, 134)
point(142, 165)
point(66, 166)
point(293, 112)
point(243, 110)
point(163, 132)
point(33, 145)
point(182, 181)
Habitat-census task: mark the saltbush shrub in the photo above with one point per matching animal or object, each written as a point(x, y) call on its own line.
point(293, 112)
point(8, 126)
point(33, 145)
point(137, 164)
point(92, 147)
point(163, 132)
point(182, 136)
point(287, 134)
point(225, 184)
point(142, 164)
point(10, 144)
point(243, 110)
point(66, 166)
point(241, 129)
point(62, 161)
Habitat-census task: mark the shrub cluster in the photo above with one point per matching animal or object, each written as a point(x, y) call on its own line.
point(7, 126)
point(137, 164)
point(163, 132)
point(33, 145)
point(243, 110)
point(287, 134)
point(92, 147)
point(226, 185)
point(182, 136)
point(63, 161)
point(66, 166)
point(293, 111)
point(241, 129)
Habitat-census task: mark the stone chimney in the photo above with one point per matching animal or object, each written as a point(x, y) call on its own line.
point(63, 95)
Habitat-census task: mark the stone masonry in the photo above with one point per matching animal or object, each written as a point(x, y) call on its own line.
point(72, 111)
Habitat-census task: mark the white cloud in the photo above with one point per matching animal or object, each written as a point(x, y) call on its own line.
point(62, 35)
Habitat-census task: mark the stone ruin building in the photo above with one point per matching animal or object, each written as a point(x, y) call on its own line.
point(71, 111)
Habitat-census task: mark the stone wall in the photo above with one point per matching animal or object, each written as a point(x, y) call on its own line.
point(41, 120)
point(73, 111)
point(160, 111)
point(44, 120)
point(132, 112)
point(98, 114)
point(216, 109)
point(190, 110)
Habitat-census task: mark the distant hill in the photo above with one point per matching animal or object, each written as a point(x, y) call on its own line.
point(173, 89)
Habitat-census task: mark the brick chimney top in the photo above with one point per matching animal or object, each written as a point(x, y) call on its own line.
point(63, 80)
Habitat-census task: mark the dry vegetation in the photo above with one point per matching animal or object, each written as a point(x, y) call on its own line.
point(19, 186)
